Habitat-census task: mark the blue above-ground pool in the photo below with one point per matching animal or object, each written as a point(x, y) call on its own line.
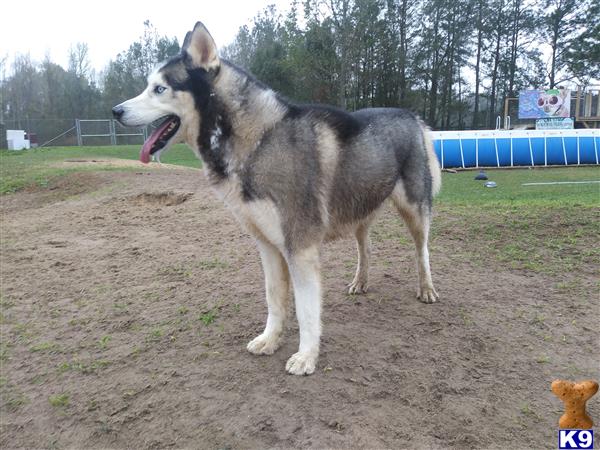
point(516, 148)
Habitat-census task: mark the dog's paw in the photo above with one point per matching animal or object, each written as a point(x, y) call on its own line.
point(301, 364)
point(428, 295)
point(358, 287)
point(263, 345)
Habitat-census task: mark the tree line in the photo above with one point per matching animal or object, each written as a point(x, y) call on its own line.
point(45, 98)
point(451, 61)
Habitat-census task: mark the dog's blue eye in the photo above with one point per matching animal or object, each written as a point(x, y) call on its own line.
point(159, 89)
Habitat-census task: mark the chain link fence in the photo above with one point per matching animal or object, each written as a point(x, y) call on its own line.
point(41, 130)
point(72, 132)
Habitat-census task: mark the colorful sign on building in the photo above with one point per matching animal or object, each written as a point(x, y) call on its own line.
point(543, 104)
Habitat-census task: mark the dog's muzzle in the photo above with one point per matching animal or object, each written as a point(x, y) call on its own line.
point(118, 112)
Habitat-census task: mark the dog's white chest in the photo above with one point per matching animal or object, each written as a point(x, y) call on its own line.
point(259, 217)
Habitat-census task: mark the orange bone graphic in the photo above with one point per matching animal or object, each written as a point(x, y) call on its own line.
point(574, 396)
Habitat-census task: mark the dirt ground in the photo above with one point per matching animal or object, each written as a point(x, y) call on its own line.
point(128, 299)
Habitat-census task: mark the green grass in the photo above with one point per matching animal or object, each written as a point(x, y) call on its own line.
point(11, 397)
point(85, 368)
point(45, 347)
point(543, 359)
point(208, 318)
point(553, 239)
point(103, 343)
point(214, 263)
point(14, 400)
point(155, 334)
point(461, 188)
point(35, 167)
point(548, 229)
point(59, 400)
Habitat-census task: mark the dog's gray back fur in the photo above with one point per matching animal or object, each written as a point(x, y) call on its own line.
point(377, 149)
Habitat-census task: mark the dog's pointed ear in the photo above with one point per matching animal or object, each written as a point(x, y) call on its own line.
point(201, 48)
point(186, 41)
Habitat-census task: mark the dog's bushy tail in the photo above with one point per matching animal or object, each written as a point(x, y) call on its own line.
point(434, 166)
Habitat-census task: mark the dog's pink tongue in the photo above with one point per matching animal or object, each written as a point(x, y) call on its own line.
point(145, 152)
point(147, 147)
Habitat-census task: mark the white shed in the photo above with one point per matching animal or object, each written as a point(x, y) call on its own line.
point(16, 140)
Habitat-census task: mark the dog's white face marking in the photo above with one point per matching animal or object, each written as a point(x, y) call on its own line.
point(152, 104)
point(160, 100)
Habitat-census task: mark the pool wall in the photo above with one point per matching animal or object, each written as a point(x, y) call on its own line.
point(516, 148)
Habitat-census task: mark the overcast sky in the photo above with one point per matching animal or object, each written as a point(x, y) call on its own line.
point(110, 26)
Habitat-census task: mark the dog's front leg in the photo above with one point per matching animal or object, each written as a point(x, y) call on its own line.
point(304, 269)
point(277, 289)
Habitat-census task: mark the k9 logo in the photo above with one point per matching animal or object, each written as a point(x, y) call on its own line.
point(569, 439)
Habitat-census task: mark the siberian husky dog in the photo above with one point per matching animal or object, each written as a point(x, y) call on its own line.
point(295, 176)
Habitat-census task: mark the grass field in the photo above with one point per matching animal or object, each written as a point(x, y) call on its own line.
point(19, 169)
point(461, 188)
point(523, 227)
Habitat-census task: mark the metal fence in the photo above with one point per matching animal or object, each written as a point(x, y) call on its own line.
point(107, 132)
point(43, 129)
point(71, 132)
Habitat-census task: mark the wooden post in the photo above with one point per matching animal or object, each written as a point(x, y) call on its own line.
point(587, 105)
point(578, 103)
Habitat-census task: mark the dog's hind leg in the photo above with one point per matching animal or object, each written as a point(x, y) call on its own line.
point(277, 283)
point(304, 270)
point(360, 284)
point(417, 218)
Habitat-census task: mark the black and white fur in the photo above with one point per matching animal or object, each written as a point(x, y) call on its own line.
point(295, 176)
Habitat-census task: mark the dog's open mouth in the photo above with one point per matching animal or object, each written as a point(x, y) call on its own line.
point(159, 137)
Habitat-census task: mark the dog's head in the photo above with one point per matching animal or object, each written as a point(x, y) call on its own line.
point(177, 93)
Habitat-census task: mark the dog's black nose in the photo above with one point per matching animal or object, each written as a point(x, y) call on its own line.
point(118, 111)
